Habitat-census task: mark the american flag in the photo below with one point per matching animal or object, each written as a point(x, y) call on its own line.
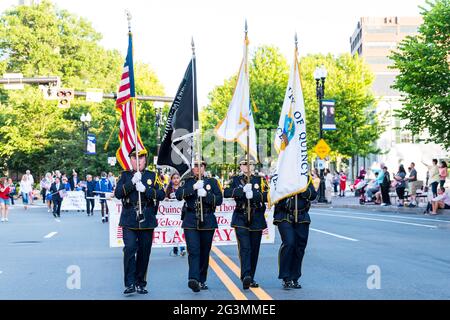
point(125, 104)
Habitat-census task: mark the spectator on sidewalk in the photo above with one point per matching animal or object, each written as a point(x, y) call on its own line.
point(441, 201)
point(336, 183)
point(412, 179)
point(400, 185)
point(328, 185)
point(25, 190)
point(434, 176)
point(372, 188)
point(443, 172)
point(12, 191)
point(342, 184)
point(31, 180)
point(385, 186)
point(4, 198)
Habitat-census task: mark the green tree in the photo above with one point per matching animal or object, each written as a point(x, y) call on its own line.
point(43, 40)
point(424, 64)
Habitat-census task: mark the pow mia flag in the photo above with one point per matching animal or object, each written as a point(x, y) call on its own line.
point(176, 149)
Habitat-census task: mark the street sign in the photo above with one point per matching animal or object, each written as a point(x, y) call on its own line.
point(322, 149)
point(320, 164)
point(112, 161)
point(11, 86)
point(155, 160)
point(94, 95)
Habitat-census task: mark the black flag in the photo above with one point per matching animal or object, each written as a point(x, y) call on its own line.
point(176, 149)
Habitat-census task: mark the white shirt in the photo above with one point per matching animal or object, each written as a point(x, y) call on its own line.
point(25, 186)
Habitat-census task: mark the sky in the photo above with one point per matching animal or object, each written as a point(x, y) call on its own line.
point(162, 30)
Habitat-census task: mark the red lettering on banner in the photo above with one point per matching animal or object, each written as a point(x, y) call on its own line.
point(265, 232)
point(226, 208)
point(176, 237)
point(228, 233)
point(217, 235)
point(221, 220)
point(167, 208)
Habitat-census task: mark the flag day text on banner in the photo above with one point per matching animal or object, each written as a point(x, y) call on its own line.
point(292, 172)
point(169, 232)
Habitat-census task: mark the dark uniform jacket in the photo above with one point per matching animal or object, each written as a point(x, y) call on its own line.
point(126, 191)
point(257, 203)
point(191, 208)
point(284, 210)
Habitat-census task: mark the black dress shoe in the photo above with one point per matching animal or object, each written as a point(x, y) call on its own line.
point(246, 282)
point(129, 290)
point(287, 284)
point(203, 286)
point(296, 285)
point(141, 290)
point(254, 284)
point(194, 285)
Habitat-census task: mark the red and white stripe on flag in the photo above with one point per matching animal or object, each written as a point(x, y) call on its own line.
point(127, 132)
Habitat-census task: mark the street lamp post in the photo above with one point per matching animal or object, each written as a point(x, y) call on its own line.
point(85, 120)
point(320, 74)
point(158, 106)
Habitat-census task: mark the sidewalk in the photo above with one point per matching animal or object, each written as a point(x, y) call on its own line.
point(352, 202)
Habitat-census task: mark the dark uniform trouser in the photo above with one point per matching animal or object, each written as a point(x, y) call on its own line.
point(136, 255)
point(198, 247)
point(294, 238)
point(249, 243)
point(90, 203)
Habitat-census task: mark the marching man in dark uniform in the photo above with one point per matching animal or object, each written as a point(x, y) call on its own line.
point(294, 229)
point(246, 193)
point(200, 196)
point(138, 228)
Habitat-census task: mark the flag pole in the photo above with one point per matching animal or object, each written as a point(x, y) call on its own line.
point(133, 103)
point(248, 123)
point(199, 147)
point(295, 68)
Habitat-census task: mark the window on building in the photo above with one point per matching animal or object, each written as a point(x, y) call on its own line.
point(379, 60)
point(409, 29)
point(381, 29)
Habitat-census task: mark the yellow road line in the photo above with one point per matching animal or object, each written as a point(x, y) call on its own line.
point(234, 290)
point(259, 292)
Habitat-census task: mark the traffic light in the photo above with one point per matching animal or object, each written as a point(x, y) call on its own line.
point(64, 97)
point(49, 92)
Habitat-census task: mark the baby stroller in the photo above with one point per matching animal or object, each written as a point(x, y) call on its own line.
point(360, 187)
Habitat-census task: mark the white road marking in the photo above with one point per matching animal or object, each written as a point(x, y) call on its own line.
point(57, 220)
point(384, 215)
point(333, 234)
point(51, 234)
point(381, 220)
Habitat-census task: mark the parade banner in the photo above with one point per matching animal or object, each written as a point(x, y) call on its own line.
point(169, 232)
point(75, 200)
point(328, 113)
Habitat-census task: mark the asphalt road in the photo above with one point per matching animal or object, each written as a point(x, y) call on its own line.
point(352, 254)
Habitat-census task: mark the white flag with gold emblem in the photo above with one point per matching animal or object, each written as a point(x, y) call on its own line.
point(291, 176)
point(239, 120)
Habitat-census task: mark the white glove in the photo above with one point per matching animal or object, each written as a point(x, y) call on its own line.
point(172, 195)
point(248, 187)
point(137, 177)
point(140, 187)
point(199, 185)
point(201, 192)
point(249, 194)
